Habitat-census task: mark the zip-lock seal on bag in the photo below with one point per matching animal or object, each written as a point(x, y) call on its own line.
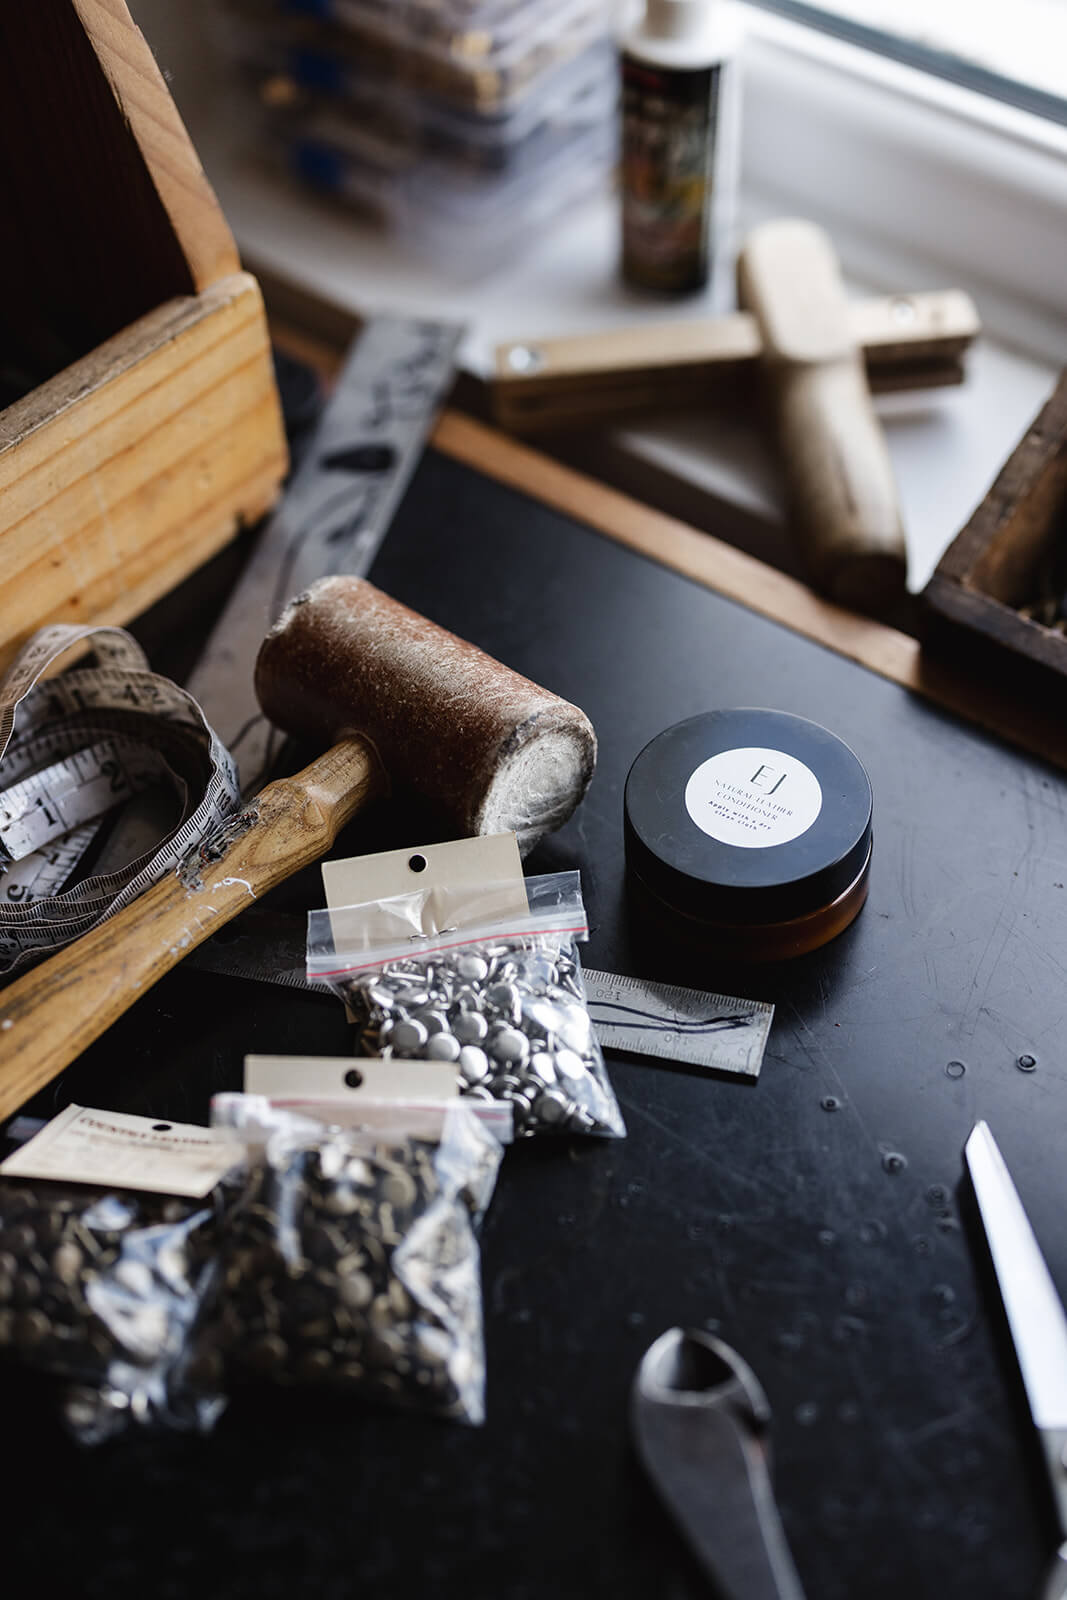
point(459, 974)
point(356, 1264)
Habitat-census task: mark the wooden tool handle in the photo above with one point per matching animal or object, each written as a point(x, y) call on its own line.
point(839, 480)
point(53, 1013)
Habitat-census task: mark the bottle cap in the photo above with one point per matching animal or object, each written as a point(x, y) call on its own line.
point(676, 19)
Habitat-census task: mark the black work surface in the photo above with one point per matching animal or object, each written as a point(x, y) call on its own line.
point(816, 1220)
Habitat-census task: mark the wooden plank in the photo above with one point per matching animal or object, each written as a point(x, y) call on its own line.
point(39, 512)
point(329, 326)
point(913, 340)
point(129, 469)
point(843, 506)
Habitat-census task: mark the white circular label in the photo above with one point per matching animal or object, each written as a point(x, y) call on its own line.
point(753, 798)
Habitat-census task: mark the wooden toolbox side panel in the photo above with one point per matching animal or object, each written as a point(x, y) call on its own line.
point(152, 118)
point(134, 465)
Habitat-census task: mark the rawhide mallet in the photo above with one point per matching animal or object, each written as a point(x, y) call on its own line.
point(498, 753)
point(400, 700)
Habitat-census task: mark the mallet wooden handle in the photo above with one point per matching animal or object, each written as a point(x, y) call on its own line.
point(53, 1013)
point(842, 496)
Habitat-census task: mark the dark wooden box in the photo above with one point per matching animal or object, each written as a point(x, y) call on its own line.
point(1000, 590)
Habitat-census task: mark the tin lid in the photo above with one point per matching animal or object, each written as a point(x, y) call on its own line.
point(747, 816)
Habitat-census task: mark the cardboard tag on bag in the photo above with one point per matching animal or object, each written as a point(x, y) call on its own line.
point(117, 1151)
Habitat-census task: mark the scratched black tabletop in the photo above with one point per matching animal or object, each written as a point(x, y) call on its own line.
point(817, 1219)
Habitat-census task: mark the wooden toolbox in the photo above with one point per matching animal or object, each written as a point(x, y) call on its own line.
point(141, 426)
point(1000, 589)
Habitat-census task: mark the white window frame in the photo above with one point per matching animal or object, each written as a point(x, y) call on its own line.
point(910, 172)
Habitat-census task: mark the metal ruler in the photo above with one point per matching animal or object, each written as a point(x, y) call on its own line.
point(333, 517)
point(716, 1031)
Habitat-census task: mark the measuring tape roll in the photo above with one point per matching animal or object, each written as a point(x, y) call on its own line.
point(110, 778)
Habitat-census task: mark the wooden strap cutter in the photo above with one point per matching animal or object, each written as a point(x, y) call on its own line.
point(909, 341)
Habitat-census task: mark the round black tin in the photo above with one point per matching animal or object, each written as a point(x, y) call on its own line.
point(749, 818)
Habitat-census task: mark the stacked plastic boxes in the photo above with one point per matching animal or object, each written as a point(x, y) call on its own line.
point(466, 124)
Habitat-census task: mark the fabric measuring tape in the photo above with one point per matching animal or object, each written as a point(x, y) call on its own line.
point(111, 775)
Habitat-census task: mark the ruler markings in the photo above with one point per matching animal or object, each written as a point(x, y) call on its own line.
point(720, 1032)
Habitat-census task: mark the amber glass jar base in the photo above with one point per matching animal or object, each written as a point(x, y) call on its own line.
point(757, 942)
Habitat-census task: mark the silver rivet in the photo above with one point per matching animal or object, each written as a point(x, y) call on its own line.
point(551, 1107)
point(569, 1064)
point(408, 1036)
point(442, 1047)
point(542, 1066)
point(469, 1027)
point(509, 1045)
point(473, 1063)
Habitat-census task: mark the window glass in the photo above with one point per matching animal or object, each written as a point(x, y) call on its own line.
point(1015, 50)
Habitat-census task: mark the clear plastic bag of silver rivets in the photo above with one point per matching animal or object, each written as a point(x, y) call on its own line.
point(106, 1289)
point(356, 1264)
point(452, 975)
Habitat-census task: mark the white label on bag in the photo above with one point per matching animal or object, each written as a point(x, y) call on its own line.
point(343, 1078)
point(125, 1152)
point(753, 798)
point(488, 859)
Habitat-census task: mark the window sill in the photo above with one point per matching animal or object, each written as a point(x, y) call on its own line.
point(918, 191)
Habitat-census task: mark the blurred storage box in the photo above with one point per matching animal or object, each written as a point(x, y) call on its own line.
point(139, 419)
point(465, 125)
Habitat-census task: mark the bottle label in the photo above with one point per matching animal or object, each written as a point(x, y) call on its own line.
point(752, 798)
point(669, 121)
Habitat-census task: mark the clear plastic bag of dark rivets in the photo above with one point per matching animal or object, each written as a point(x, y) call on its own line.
point(443, 976)
point(355, 1263)
point(106, 1289)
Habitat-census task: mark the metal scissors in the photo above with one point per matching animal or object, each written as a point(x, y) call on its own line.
point(1036, 1319)
point(700, 1422)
